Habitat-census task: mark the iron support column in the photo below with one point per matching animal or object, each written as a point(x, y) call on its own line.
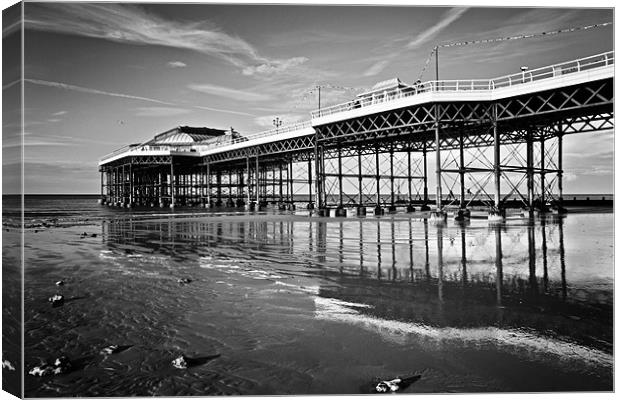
point(392, 207)
point(218, 182)
point(361, 208)
point(542, 172)
point(496, 158)
point(340, 211)
point(560, 173)
point(462, 170)
point(340, 199)
point(530, 171)
point(316, 170)
point(281, 183)
point(202, 186)
point(438, 214)
point(273, 183)
point(131, 188)
point(171, 182)
point(289, 183)
point(425, 162)
point(319, 177)
point(208, 184)
point(378, 209)
point(230, 187)
point(438, 160)
point(409, 178)
point(123, 184)
point(359, 178)
point(248, 187)
point(257, 184)
point(310, 205)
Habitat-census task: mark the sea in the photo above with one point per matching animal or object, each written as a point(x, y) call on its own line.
point(289, 303)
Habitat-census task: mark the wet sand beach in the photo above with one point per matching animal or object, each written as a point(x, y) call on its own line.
point(283, 303)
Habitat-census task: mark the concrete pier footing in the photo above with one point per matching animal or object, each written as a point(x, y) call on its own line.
point(392, 209)
point(323, 212)
point(379, 210)
point(340, 212)
point(559, 210)
point(361, 211)
point(410, 208)
point(438, 216)
point(496, 215)
point(310, 206)
point(462, 214)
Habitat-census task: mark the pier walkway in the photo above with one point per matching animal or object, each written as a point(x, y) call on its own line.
point(496, 142)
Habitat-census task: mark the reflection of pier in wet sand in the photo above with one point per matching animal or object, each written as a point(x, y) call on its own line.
point(461, 276)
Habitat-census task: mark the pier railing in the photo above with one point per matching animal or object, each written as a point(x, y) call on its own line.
point(270, 132)
point(569, 67)
point(116, 152)
point(138, 149)
point(467, 85)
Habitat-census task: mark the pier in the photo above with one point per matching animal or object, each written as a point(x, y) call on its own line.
point(495, 143)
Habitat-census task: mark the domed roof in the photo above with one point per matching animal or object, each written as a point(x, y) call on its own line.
point(186, 135)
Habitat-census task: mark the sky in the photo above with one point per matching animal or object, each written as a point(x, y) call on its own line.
point(102, 75)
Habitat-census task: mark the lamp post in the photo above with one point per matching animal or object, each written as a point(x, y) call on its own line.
point(523, 69)
point(277, 123)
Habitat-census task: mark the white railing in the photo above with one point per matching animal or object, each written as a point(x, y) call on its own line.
point(270, 132)
point(583, 64)
point(117, 152)
point(138, 149)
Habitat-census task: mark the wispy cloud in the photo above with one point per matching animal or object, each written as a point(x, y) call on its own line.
point(133, 25)
point(160, 111)
point(447, 18)
point(176, 64)
point(82, 89)
point(225, 111)
point(53, 119)
point(274, 67)
point(377, 67)
point(235, 94)
point(34, 139)
point(142, 111)
point(59, 113)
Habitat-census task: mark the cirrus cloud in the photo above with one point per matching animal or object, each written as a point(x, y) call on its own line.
point(274, 67)
point(222, 91)
point(176, 64)
point(131, 24)
point(160, 111)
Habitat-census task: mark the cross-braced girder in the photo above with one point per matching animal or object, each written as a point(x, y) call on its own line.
point(492, 152)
